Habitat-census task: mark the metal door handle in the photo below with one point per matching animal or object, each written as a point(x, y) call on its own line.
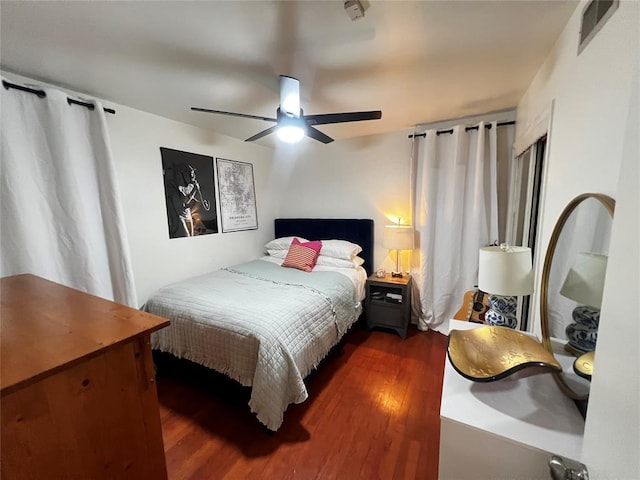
point(567, 469)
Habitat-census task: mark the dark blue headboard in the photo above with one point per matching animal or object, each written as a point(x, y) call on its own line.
point(358, 231)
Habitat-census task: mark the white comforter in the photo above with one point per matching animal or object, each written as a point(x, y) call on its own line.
point(263, 325)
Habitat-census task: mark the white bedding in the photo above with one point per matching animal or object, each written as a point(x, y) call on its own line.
point(263, 325)
point(358, 276)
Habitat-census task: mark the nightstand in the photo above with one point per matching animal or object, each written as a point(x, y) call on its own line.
point(388, 303)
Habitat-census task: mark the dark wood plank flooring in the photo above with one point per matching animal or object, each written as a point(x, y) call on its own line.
point(372, 413)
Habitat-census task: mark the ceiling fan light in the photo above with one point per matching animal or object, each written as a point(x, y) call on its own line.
point(290, 133)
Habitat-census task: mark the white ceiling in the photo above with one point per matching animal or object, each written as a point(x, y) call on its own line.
point(418, 62)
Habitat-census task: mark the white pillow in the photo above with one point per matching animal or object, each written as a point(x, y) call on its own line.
point(324, 260)
point(282, 243)
point(339, 262)
point(340, 249)
point(277, 253)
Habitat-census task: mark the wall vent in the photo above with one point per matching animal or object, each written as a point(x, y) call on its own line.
point(594, 16)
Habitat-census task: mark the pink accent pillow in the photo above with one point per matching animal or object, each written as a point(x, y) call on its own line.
point(302, 256)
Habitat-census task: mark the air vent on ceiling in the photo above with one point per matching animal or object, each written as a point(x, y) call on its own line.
point(594, 16)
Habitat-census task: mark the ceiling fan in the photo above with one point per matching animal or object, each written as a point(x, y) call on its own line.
point(291, 124)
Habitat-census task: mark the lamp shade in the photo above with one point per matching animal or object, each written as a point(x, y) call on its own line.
point(505, 271)
point(585, 280)
point(398, 237)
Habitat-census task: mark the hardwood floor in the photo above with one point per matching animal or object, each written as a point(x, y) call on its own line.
point(372, 413)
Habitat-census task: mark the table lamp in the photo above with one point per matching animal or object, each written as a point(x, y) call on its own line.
point(397, 237)
point(504, 272)
point(584, 285)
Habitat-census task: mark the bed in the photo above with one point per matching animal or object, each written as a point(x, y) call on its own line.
point(265, 326)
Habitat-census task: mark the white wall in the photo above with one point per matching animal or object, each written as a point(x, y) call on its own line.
point(590, 139)
point(136, 138)
point(612, 431)
point(367, 177)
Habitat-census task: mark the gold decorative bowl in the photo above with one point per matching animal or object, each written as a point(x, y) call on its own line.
point(491, 353)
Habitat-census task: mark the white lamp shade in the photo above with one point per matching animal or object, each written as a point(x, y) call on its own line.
point(585, 280)
point(505, 271)
point(398, 237)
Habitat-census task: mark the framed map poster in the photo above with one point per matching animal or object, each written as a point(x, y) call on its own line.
point(237, 196)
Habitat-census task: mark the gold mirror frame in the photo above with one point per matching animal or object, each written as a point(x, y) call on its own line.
point(608, 203)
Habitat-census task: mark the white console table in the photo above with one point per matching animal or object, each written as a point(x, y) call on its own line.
point(507, 429)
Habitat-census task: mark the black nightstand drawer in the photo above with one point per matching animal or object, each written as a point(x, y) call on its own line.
point(385, 316)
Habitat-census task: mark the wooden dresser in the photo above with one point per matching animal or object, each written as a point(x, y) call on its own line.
point(78, 398)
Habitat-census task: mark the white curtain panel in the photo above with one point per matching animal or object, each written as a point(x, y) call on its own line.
point(456, 213)
point(61, 213)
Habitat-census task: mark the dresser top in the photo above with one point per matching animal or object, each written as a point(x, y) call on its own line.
point(46, 326)
point(525, 409)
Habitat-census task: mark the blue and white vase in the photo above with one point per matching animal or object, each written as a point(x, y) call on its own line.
point(582, 338)
point(587, 316)
point(504, 305)
point(502, 311)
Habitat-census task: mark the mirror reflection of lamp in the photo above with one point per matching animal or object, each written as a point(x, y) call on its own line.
point(504, 272)
point(397, 237)
point(584, 285)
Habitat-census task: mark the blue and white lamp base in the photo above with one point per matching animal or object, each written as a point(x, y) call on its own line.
point(502, 311)
point(583, 333)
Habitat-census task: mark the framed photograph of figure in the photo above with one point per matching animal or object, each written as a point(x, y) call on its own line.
point(190, 193)
point(237, 194)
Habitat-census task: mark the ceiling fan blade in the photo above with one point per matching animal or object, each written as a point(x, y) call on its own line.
point(261, 134)
point(318, 135)
point(290, 95)
point(243, 115)
point(326, 118)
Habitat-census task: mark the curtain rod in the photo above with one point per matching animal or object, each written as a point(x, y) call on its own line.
point(474, 127)
point(42, 94)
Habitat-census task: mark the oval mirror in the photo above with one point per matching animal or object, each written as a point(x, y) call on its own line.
point(571, 290)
